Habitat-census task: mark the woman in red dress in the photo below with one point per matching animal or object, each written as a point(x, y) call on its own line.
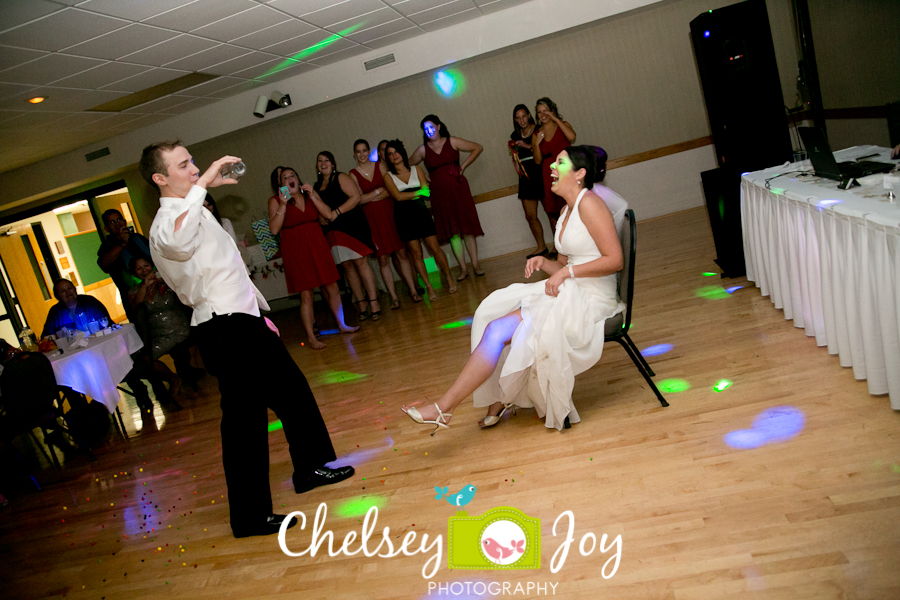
point(305, 252)
point(378, 205)
point(455, 217)
point(554, 136)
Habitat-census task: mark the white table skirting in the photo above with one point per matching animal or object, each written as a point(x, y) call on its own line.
point(831, 259)
point(99, 368)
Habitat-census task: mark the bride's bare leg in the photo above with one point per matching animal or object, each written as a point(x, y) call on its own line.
point(479, 366)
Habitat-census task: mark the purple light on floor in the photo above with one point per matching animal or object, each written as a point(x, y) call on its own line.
point(734, 288)
point(828, 202)
point(771, 426)
point(361, 456)
point(656, 350)
point(328, 331)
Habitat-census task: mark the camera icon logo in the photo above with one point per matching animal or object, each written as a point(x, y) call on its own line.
point(503, 538)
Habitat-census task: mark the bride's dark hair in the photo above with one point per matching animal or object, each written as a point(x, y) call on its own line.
point(590, 158)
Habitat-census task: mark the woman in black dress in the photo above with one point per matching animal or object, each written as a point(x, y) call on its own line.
point(531, 180)
point(348, 232)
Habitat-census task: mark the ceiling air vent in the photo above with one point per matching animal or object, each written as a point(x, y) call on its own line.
point(380, 61)
point(96, 154)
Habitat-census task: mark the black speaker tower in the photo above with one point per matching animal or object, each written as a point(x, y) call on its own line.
point(736, 60)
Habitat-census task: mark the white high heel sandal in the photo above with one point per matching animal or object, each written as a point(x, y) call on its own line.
point(440, 422)
point(491, 420)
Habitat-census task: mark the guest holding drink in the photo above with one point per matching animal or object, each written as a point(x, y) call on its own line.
point(305, 252)
point(378, 206)
point(455, 216)
point(531, 180)
point(408, 185)
point(553, 136)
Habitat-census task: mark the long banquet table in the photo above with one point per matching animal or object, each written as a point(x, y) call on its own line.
point(830, 259)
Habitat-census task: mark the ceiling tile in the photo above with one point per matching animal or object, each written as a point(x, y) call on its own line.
point(37, 121)
point(57, 99)
point(367, 35)
point(145, 80)
point(368, 21)
point(199, 13)
point(210, 87)
point(133, 10)
point(160, 105)
point(101, 76)
point(171, 50)
point(207, 58)
point(90, 99)
point(339, 55)
point(444, 10)
point(245, 23)
point(115, 121)
point(18, 12)
point(299, 46)
point(146, 120)
point(49, 68)
point(263, 70)
point(10, 89)
point(231, 67)
point(192, 104)
point(343, 12)
point(60, 30)
point(394, 38)
point(299, 8)
point(11, 57)
point(122, 42)
point(272, 35)
point(410, 7)
point(447, 21)
point(284, 73)
point(77, 120)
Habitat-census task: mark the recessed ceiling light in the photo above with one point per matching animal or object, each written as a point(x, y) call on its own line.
point(37, 99)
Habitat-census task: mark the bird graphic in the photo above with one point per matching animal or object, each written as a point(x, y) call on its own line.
point(461, 498)
point(493, 549)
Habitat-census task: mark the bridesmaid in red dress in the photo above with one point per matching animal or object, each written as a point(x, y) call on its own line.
point(554, 136)
point(305, 252)
point(455, 217)
point(378, 205)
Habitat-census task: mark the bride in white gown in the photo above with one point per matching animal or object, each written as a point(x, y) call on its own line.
point(554, 327)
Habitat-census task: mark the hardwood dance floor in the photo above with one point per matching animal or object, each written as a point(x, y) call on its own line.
point(813, 513)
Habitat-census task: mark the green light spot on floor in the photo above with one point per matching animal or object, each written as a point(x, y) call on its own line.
point(708, 274)
point(274, 426)
point(330, 377)
point(457, 324)
point(357, 507)
point(712, 292)
point(721, 385)
point(672, 386)
point(895, 468)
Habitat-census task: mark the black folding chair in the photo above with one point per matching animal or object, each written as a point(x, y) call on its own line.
point(31, 399)
point(617, 327)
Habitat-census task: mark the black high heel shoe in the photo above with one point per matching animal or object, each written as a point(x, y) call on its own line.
point(375, 314)
point(363, 313)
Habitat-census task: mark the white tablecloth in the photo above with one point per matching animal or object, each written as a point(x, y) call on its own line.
point(831, 259)
point(99, 368)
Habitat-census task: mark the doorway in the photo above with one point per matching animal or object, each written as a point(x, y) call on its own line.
point(39, 246)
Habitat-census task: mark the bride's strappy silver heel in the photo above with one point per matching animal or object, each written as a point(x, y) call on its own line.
point(491, 420)
point(440, 422)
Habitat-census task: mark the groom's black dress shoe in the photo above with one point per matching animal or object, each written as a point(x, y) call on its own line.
point(321, 476)
point(271, 525)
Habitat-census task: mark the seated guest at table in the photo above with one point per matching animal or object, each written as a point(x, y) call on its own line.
point(168, 325)
point(75, 311)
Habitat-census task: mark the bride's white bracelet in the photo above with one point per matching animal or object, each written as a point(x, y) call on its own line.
point(571, 271)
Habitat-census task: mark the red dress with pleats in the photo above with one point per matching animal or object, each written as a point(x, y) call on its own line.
point(305, 252)
point(451, 199)
point(380, 214)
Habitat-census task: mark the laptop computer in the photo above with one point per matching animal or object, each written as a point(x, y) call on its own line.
point(823, 161)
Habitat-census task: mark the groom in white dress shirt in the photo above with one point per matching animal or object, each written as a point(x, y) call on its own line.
point(200, 261)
